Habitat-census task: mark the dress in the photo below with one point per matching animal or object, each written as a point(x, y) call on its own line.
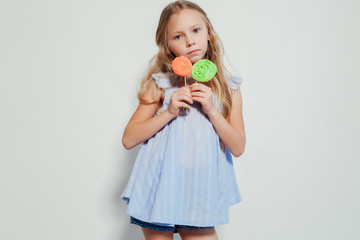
point(183, 174)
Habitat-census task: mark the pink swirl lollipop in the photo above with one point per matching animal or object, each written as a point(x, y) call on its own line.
point(182, 66)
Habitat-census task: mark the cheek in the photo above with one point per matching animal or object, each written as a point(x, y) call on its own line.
point(205, 37)
point(175, 48)
point(206, 43)
point(171, 48)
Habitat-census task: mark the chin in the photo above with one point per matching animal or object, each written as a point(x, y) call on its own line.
point(195, 59)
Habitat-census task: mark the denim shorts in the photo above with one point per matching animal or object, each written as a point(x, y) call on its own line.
point(160, 227)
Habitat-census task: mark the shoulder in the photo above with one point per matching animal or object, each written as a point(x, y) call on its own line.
point(164, 80)
point(233, 81)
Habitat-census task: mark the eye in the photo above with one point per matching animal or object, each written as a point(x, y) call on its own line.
point(177, 37)
point(196, 30)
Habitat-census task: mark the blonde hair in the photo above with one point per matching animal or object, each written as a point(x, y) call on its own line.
point(161, 62)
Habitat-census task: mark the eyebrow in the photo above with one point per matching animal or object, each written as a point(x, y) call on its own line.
point(190, 28)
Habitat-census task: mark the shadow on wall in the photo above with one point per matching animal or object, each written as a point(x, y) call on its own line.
point(128, 231)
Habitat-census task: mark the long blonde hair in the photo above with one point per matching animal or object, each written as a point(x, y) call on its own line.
point(161, 62)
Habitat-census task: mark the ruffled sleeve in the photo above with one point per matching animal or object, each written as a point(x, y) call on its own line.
point(234, 82)
point(164, 80)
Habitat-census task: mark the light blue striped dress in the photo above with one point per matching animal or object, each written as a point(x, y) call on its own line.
point(183, 174)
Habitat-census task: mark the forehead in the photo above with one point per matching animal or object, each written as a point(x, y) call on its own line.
point(184, 20)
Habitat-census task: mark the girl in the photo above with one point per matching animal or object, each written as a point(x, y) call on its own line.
point(183, 178)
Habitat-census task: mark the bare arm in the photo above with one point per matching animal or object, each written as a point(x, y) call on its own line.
point(143, 124)
point(230, 131)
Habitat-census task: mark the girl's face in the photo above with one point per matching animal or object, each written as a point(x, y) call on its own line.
point(188, 35)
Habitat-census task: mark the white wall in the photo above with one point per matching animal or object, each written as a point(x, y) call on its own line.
point(69, 71)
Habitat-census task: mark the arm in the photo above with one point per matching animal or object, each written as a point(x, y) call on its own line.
point(143, 124)
point(231, 131)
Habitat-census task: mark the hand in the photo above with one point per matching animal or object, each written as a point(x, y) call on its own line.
point(203, 94)
point(178, 100)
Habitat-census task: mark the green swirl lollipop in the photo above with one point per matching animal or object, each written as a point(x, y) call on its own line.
point(203, 70)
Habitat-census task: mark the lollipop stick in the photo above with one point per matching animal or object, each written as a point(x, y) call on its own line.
point(186, 110)
point(182, 66)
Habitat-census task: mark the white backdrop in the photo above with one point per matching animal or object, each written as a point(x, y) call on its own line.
point(69, 72)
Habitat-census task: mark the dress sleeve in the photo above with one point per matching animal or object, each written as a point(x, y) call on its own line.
point(163, 80)
point(234, 82)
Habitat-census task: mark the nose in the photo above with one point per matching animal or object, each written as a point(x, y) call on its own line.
point(190, 42)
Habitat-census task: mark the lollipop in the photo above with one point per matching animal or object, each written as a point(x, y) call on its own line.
point(203, 70)
point(182, 66)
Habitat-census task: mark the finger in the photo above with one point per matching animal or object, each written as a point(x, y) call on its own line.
point(199, 87)
point(198, 94)
point(187, 95)
point(183, 90)
point(186, 98)
point(200, 100)
point(201, 90)
point(202, 96)
point(182, 96)
point(184, 105)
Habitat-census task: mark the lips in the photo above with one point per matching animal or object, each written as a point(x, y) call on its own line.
point(194, 51)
